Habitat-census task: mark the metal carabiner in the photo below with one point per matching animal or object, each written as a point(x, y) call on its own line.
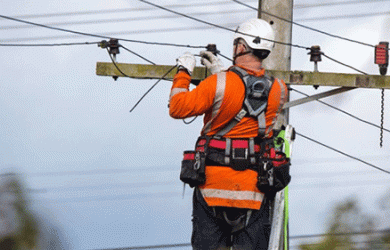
point(197, 161)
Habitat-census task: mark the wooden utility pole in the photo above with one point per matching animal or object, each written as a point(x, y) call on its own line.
point(279, 59)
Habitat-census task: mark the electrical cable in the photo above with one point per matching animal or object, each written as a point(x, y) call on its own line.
point(342, 111)
point(306, 27)
point(294, 237)
point(322, 18)
point(125, 32)
point(143, 96)
point(209, 3)
point(304, 6)
point(137, 9)
point(121, 46)
point(345, 154)
point(152, 88)
point(219, 26)
point(187, 123)
point(46, 44)
point(337, 234)
point(346, 65)
point(116, 20)
point(95, 35)
point(116, 66)
point(227, 58)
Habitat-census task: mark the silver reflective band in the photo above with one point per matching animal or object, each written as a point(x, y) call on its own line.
point(232, 195)
point(219, 94)
point(175, 91)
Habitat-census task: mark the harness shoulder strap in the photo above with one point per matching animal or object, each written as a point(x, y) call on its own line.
point(259, 113)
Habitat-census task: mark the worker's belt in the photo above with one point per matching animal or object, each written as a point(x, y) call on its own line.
point(238, 153)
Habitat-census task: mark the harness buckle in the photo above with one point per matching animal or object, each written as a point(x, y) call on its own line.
point(240, 153)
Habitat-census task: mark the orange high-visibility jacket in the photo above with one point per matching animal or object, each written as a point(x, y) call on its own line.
point(220, 97)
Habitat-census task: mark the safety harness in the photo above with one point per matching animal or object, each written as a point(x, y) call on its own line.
point(255, 103)
point(256, 153)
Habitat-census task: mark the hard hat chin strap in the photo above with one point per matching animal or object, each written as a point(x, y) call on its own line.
point(248, 51)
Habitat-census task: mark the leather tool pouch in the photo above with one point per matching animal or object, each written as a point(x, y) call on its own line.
point(274, 174)
point(193, 168)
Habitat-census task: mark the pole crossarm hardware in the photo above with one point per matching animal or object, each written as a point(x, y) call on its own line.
point(147, 71)
point(316, 97)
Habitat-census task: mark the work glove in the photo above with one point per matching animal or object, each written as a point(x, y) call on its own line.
point(186, 61)
point(212, 63)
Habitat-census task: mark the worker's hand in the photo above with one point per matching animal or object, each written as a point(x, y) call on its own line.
point(186, 61)
point(212, 63)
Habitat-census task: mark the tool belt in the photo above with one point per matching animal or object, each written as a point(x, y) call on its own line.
point(239, 154)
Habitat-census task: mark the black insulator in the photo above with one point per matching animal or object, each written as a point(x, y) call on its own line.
point(114, 46)
point(212, 48)
point(315, 53)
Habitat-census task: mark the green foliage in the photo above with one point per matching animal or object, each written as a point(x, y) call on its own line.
point(345, 219)
point(26, 237)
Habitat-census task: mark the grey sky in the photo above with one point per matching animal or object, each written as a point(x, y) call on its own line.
point(110, 177)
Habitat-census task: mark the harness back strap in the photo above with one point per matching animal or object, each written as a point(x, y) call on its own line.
point(243, 112)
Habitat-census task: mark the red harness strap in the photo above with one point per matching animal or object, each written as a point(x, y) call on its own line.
point(221, 144)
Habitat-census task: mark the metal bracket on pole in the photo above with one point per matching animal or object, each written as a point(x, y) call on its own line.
point(317, 97)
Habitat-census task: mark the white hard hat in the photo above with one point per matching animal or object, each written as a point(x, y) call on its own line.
point(257, 33)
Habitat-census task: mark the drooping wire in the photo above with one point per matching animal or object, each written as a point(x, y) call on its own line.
point(345, 154)
point(47, 44)
point(152, 87)
point(99, 36)
point(116, 66)
point(382, 116)
point(147, 92)
point(306, 27)
point(342, 111)
point(187, 123)
point(219, 26)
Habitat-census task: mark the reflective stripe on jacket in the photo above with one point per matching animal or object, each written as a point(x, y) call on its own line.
point(220, 97)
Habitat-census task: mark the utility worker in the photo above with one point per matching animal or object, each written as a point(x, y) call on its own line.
point(240, 106)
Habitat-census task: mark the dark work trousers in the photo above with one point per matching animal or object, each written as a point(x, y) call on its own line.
point(212, 232)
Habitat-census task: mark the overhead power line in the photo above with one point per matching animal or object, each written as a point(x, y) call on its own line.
point(117, 20)
point(294, 237)
point(124, 10)
point(306, 27)
point(209, 3)
point(125, 32)
point(346, 65)
point(345, 154)
point(323, 18)
point(45, 44)
point(89, 34)
point(305, 6)
point(342, 111)
point(219, 26)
